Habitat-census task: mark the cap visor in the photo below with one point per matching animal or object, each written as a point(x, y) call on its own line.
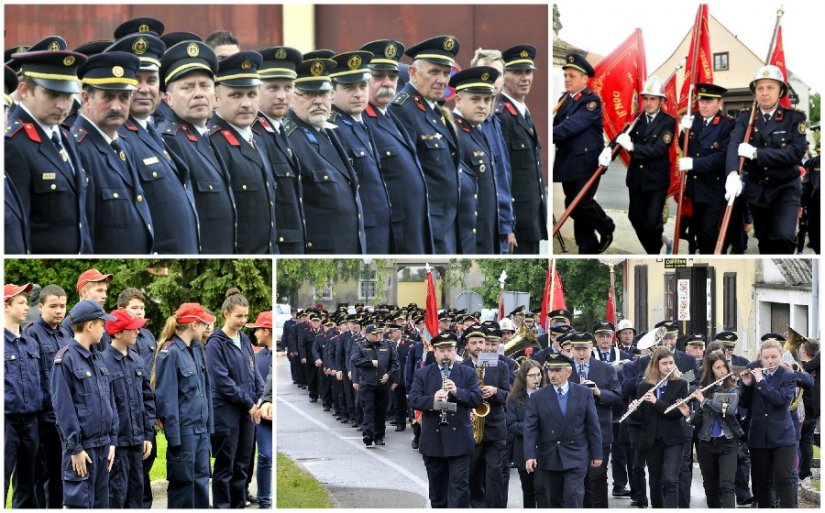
point(59, 86)
point(107, 317)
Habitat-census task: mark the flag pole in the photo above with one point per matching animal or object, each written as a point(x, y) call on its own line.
point(723, 228)
point(552, 291)
point(610, 264)
point(697, 29)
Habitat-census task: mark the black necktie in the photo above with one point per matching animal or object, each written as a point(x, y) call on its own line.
point(767, 117)
point(706, 122)
point(649, 119)
point(528, 117)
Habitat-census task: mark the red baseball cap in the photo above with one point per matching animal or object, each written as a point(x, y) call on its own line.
point(10, 290)
point(123, 321)
point(264, 320)
point(191, 312)
point(90, 276)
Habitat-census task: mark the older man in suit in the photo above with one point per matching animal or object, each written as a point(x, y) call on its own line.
point(562, 437)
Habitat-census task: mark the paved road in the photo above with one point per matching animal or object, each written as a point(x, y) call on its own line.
point(388, 476)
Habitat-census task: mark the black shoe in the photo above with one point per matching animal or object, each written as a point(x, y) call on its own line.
point(367, 440)
point(393, 423)
point(313, 400)
point(414, 443)
point(746, 501)
point(354, 424)
point(400, 427)
point(621, 492)
point(359, 428)
point(327, 408)
point(380, 441)
point(344, 420)
point(605, 242)
point(252, 499)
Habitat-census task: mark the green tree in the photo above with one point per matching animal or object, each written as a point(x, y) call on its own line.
point(586, 283)
point(166, 283)
point(293, 273)
point(522, 275)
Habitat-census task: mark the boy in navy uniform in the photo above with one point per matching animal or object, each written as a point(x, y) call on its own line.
point(446, 441)
point(84, 404)
point(23, 398)
point(135, 403)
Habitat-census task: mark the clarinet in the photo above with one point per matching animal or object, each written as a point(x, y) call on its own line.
point(445, 365)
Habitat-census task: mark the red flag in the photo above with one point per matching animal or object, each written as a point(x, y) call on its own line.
point(611, 304)
point(558, 294)
point(778, 60)
point(553, 297)
point(431, 317)
point(669, 106)
point(545, 297)
point(703, 60)
point(501, 305)
point(618, 80)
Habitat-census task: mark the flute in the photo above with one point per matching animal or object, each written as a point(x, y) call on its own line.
point(763, 369)
point(636, 403)
point(703, 390)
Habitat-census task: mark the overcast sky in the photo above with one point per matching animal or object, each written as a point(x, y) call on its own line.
point(602, 26)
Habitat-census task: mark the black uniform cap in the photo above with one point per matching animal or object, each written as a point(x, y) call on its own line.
point(173, 38)
point(53, 70)
point(351, 67)
point(240, 70)
point(519, 57)
point(185, 57)
point(280, 62)
point(141, 25)
point(90, 48)
point(313, 75)
point(112, 71)
point(386, 53)
point(576, 61)
point(438, 50)
point(705, 90)
point(148, 48)
point(479, 79)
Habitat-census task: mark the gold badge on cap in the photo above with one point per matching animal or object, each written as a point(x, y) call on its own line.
point(246, 64)
point(449, 43)
point(390, 51)
point(192, 50)
point(524, 54)
point(69, 60)
point(485, 76)
point(21, 49)
point(143, 28)
point(571, 59)
point(54, 46)
point(117, 71)
point(280, 54)
point(140, 46)
point(354, 62)
point(316, 69)
point(766, 73)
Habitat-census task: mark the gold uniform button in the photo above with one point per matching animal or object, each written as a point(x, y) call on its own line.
point(287, 174)
point(389, 153)
point(474, 230)
point(53, 187)
point(210, 186)
point(280, 239)
point(436, 145)
point(243, 187)
point(362, 153)
point(115, 195)
point(309, 244)
point(140, 198)
point(154, 174)
point(326, 177)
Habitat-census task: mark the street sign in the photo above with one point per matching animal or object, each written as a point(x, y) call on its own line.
point(675, 263)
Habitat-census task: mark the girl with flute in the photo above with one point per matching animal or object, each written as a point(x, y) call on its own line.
point(717, 428)
point(767, 392)
point(662, 434)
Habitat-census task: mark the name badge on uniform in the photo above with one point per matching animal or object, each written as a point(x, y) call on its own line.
point(151, 160)
point(383, 350)
point(49, 176)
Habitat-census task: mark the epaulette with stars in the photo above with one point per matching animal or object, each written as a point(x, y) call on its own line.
point(79, 133)
point(289, 126)
point(400, 98)
point(333, 116)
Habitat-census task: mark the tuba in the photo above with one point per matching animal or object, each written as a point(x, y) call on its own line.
point(521, 340)
point(481, 411)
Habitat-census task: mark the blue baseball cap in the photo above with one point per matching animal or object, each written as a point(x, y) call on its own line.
point(88, 310)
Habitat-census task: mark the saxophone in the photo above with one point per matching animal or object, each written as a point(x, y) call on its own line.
point(480, 412)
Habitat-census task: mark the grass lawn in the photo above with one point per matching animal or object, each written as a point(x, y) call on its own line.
point(816, 451)
point(296, 488)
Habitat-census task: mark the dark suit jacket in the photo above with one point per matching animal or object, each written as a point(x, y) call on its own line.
point(769, 404)
point(495, 423)
point(16, 232)
point(562, 442)
point(515, 428)
point(455, 439)
point(649, 168)
point(653, 415)
point(604, 375)
point(578, 136)
point(708, 147)
point(477, 156)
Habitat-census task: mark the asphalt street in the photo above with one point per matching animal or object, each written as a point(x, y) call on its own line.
point(388, 476)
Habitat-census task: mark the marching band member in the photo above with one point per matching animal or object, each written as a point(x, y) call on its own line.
point(529, 379)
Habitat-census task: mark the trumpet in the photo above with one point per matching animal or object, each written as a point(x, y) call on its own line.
point(703, 390)
point(638, 402)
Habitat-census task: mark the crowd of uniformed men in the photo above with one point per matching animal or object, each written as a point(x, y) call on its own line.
point(751, 433)
point(161, 143)
point(777, 192)
point(87, 393)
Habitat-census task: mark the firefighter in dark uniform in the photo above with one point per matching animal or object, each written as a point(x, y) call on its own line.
point(332, 205)
point(17, 232)
point(704, 164)
point(416, 107)
point(41, 158)
point(400, 167)
point(377, 363)
point(810, 199)
point(164, 112)
point(319, 350)
point(773, 156)
point(305, 341)
point(117, 207)
point(446, 442)
point(474, 101)
point(398, 387)
point(528, 187)
point(187, 72)
point(350, 80)
point(648, 174)
point(244, 151)
point(165, 182)
point(84, 405)
point(578, 134)
point(277, 82)
point(23, 393)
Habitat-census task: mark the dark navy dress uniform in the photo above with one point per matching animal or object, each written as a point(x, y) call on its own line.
point(135, 404)
point(358, 143)
point(84, 404)
point(374, 396)
point(168, 191)
point(708, 146)
point(405, 181)
point(447, 450)
point(332, 206)
point(213, 194)
point(578, 136)
point(467, 210)
point(146, 346)
point(648, 177)
point(253, 186)
point(23, 401)
point(17, 235)
point(236, 387)
point(289, 203)
point(772, 187)
point(504, 175)
point(49, 465)
point(183, 398)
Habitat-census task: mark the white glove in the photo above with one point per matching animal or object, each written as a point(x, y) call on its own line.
point(685, 164)
point(733, 186)
point(747, 151)
point(686, 123)
point(605, 157)
point(625, 142)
